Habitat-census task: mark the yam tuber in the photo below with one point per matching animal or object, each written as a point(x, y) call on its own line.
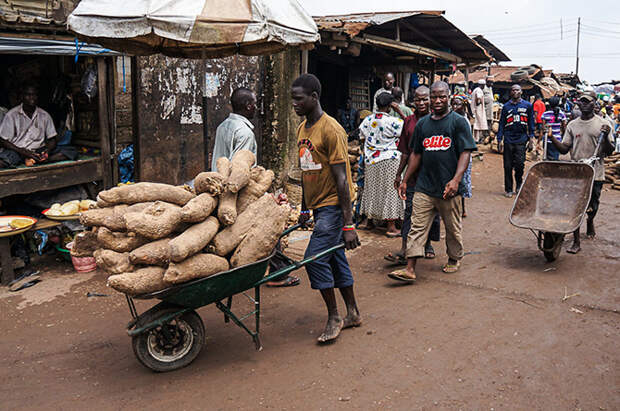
point(227, 210)
point(144, 192)
point(113, 262)
point(156, 221)
point(210, 182)
point(197, 266)
point(259, 183)
point(84, 244)
point(240, 166)
point(223, 166)
point(261, 239)
point(229, 238)
point(143, 280)
point(95, 216)
point(119, 242)
point(154, 253)
point(194, 239)
point(198, 208)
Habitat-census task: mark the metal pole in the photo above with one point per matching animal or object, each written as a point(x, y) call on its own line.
point(578, 33)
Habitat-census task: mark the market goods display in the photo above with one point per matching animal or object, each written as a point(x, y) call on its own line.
point(145, 192)
point(69, 208)
point(150, 239)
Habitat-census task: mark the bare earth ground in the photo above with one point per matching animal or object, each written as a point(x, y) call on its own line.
point(496, 335)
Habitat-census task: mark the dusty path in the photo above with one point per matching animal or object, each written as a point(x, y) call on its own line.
point(494, 336)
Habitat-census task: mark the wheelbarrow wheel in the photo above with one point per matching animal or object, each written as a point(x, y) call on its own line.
point(552, 245)
point(172, 345)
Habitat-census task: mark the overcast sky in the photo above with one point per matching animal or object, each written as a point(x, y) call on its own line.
point(527, 31)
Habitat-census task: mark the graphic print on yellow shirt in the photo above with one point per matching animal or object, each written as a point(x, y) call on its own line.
point(322, 145)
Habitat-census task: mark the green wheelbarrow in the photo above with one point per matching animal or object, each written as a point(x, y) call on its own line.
point(170, 335)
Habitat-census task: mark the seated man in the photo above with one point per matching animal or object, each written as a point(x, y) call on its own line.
point(27, 135)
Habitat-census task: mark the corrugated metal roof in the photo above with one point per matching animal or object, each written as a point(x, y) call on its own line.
point(33, 12)
point(491, 48)
point(427, 28)
point(501, 74)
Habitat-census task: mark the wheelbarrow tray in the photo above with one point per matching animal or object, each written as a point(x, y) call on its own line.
point(554, 197)
point(204, 291)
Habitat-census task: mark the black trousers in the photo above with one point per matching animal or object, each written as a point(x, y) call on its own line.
point(595, 199)
point(514, 159)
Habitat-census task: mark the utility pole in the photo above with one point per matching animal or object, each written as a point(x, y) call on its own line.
point(578, 33)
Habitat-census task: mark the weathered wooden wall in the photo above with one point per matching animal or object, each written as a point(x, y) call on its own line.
point(171, 143)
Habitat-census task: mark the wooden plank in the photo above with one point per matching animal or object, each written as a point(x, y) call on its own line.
point(43, 223)
point(135, 119)
point(104, 124)
point(49, 177)
point(407, 47)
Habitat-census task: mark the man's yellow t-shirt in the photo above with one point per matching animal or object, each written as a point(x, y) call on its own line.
point(323, 144)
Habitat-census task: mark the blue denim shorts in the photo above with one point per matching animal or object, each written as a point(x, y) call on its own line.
point(330, 271)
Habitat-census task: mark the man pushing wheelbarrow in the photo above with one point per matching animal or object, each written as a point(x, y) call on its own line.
point(581, 139)
point(557, 195)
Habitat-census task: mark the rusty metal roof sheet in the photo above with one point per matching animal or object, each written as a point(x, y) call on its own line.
point(428, 28)
point(501, 74)
point(33, 12)
point(491, 48)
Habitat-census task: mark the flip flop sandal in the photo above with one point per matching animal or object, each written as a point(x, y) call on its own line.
point(395, 257)
point(392, 235)
point(401, 275)
point(451, 268)
point(290, 281)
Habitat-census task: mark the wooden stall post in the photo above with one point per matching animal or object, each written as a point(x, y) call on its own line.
point(135, 118)
point(104, 124)
point(111, 93)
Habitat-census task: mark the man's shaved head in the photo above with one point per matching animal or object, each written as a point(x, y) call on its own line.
point(240, 98)
point(397, 92)
point(440, 85)
point(422, 90)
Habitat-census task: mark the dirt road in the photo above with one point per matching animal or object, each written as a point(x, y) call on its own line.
point(496, 335)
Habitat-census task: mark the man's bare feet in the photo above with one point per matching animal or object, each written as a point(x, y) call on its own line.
point(574, 249)
point(352, 320)
point(332, 330)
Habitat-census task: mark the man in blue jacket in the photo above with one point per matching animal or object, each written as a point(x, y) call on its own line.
point(516, 128)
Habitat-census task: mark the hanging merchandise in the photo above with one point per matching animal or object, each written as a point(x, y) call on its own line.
point(125, 164)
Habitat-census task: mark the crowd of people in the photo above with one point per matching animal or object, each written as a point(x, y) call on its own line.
point(416, 167)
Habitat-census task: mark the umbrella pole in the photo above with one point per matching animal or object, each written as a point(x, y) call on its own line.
point(205, 132)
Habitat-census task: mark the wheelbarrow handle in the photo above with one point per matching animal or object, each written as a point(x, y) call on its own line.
point(298, 264)
point(294, 227)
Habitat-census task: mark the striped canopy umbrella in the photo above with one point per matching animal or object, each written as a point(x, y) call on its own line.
point(194, 28)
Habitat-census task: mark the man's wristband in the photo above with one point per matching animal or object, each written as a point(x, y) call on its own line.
point(350, 227)
point(304, 212)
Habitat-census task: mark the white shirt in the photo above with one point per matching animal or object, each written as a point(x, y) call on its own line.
point(25, 132)
point(233, 134)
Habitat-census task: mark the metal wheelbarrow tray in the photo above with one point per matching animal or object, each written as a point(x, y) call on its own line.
point(170, 335)
point(554, 197)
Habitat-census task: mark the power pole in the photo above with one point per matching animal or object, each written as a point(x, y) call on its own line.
point(578, 33)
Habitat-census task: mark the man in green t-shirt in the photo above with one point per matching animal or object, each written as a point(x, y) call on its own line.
point(405, 111)
point(327, 189)
point(441, 148)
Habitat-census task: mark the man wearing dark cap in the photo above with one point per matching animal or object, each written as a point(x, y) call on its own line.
point(581, 138)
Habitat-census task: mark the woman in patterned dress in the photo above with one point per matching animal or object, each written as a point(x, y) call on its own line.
point(381, 132)
point(458, 105)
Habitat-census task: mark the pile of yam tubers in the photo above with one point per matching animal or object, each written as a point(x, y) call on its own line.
point(149, 236)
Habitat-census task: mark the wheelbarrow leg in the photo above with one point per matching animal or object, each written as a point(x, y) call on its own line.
point(229, 305)
point(256, 336)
